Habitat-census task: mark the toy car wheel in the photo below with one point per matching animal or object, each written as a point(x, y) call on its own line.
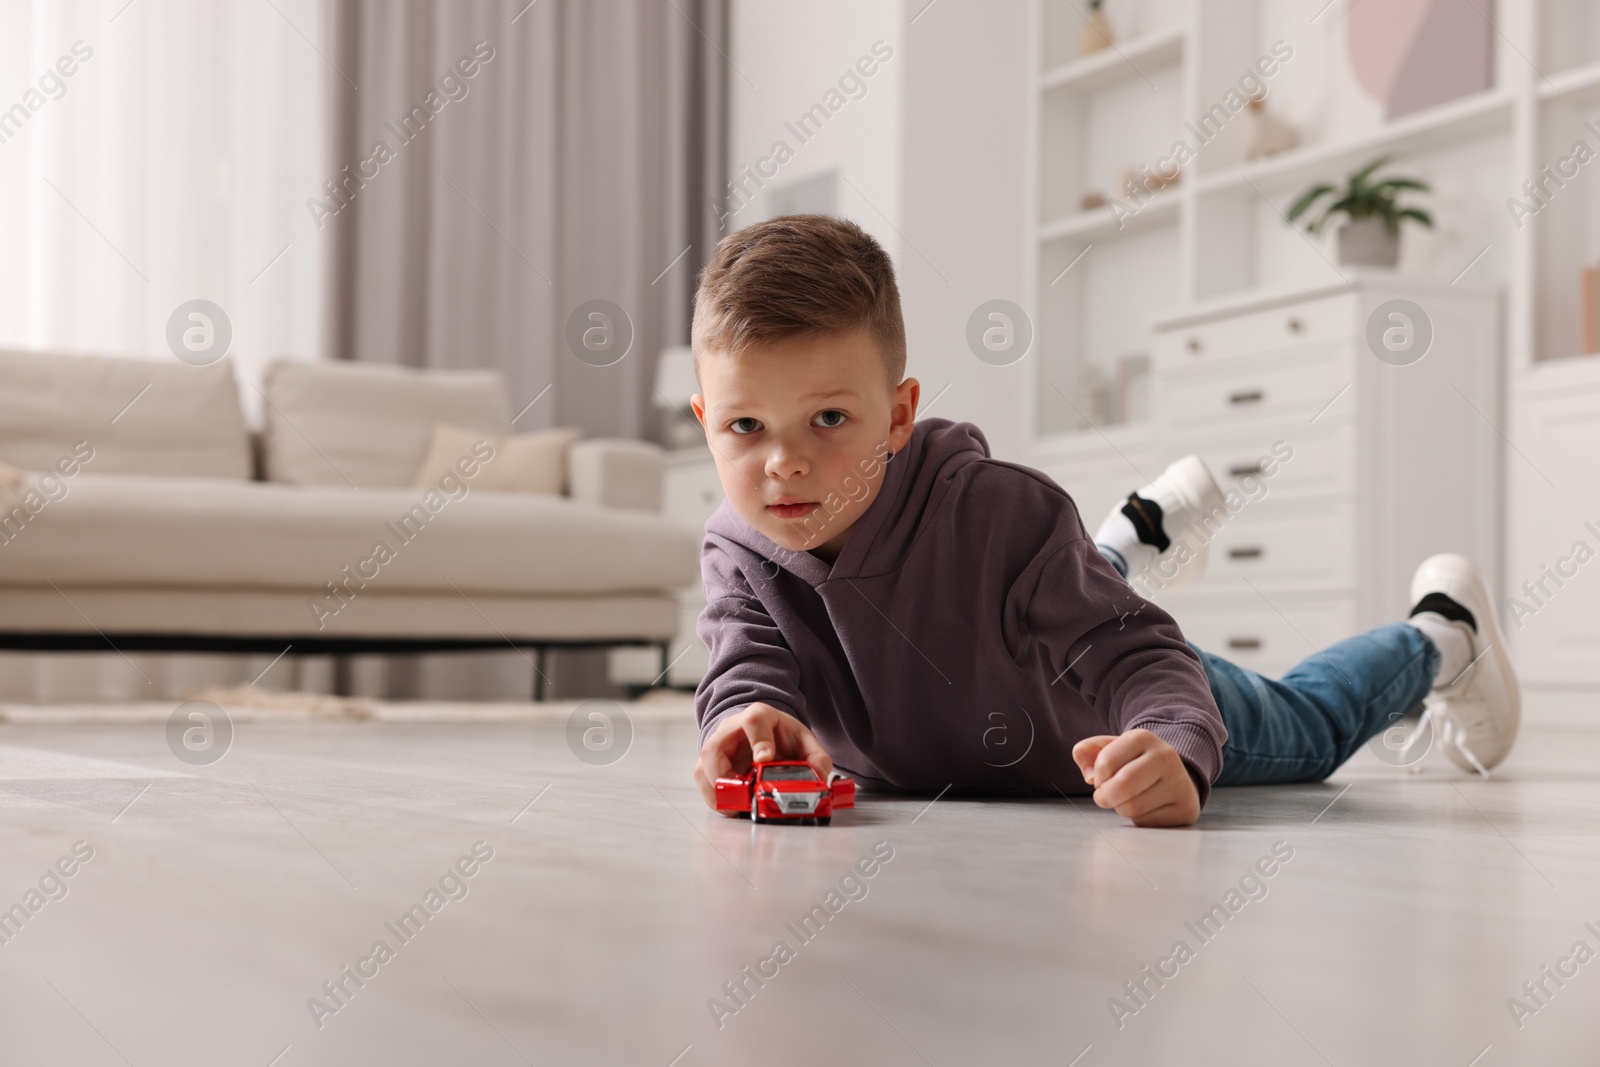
point(824, 820)
point(755, 809)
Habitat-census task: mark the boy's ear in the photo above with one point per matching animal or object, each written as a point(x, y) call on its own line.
point(698, 402)
point(903, 412)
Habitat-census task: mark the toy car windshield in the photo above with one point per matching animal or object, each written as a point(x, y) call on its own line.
point(788, 774)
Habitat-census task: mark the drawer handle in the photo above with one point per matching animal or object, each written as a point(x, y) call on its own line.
point(1244, 642)
point(1246, 552)
point(1194, 345)
point(1244, 470)
point(1295, 325)
point(1247, 396)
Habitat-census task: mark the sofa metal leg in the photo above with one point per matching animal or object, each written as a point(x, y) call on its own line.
point(539, 681)
point(343, 676)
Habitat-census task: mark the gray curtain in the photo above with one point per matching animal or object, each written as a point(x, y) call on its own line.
point(578, 163)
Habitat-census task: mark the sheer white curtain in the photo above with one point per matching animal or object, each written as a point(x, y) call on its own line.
point(173, 162)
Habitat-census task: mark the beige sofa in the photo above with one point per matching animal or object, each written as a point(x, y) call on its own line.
point(151, 518)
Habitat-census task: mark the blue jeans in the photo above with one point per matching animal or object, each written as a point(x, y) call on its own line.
point(1301, 727)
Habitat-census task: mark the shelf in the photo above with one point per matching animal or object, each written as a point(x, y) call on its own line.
point(1562, 376)
point(1579, 84)
point(1463, 120)
point(1101, 223)
point(1117, 63)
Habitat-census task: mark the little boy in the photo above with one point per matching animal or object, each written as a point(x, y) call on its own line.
point(882, 593)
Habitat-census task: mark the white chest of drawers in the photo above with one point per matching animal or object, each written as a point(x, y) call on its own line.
point(1389, 461)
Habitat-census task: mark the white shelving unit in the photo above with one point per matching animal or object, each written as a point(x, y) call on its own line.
point(1554, 421)
point(1105, 68)
point(1099, 281)
point(1478, 116)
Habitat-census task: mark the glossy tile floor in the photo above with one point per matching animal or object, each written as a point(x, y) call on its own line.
point(1401, 914)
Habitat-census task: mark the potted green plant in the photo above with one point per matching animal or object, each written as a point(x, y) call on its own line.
point(1370, 235)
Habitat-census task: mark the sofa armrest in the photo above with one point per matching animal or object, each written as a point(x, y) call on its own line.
point(617, 473)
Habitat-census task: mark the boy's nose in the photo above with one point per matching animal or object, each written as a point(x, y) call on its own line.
point(786, 463)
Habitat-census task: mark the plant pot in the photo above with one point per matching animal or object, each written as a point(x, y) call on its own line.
point(1366, 243)
point(1095, 34)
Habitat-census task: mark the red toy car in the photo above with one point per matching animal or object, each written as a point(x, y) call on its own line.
point(785, 789)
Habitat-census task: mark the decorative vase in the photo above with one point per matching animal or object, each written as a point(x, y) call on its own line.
point(1269, 135)
point(1367, 243)
point(1095, 34)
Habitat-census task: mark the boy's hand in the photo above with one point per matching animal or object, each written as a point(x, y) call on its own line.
point(1141, 776)
point(755, 735)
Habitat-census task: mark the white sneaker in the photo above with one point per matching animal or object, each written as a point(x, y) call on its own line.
point(1477, 713)
point(1184, 494)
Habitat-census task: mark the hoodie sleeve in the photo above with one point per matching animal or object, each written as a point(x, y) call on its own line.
point(750, 661)
point(1125, 656)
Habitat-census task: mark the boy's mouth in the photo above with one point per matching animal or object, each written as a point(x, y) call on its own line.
point(791, 510)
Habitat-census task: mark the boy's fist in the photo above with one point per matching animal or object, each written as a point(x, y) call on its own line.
point(755, 735)
point(1140, 776)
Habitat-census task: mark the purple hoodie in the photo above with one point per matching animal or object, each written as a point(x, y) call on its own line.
point(968, 635)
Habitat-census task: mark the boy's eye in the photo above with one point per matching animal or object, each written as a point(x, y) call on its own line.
point(745, 425)
point(831, 419)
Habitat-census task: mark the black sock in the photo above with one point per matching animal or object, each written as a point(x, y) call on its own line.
point(1146, 518)
point(1440, 604)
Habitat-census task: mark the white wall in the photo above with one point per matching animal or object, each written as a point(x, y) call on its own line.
point(934, 153)
point(965, 209)
point(786, 58)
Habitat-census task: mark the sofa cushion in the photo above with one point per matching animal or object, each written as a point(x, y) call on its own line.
point(140, 416)
point(179, 532)
point(617, 473)
point(521, 463)
point(367, 425)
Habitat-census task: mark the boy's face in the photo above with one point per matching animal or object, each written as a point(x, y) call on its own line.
point(800, 431)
